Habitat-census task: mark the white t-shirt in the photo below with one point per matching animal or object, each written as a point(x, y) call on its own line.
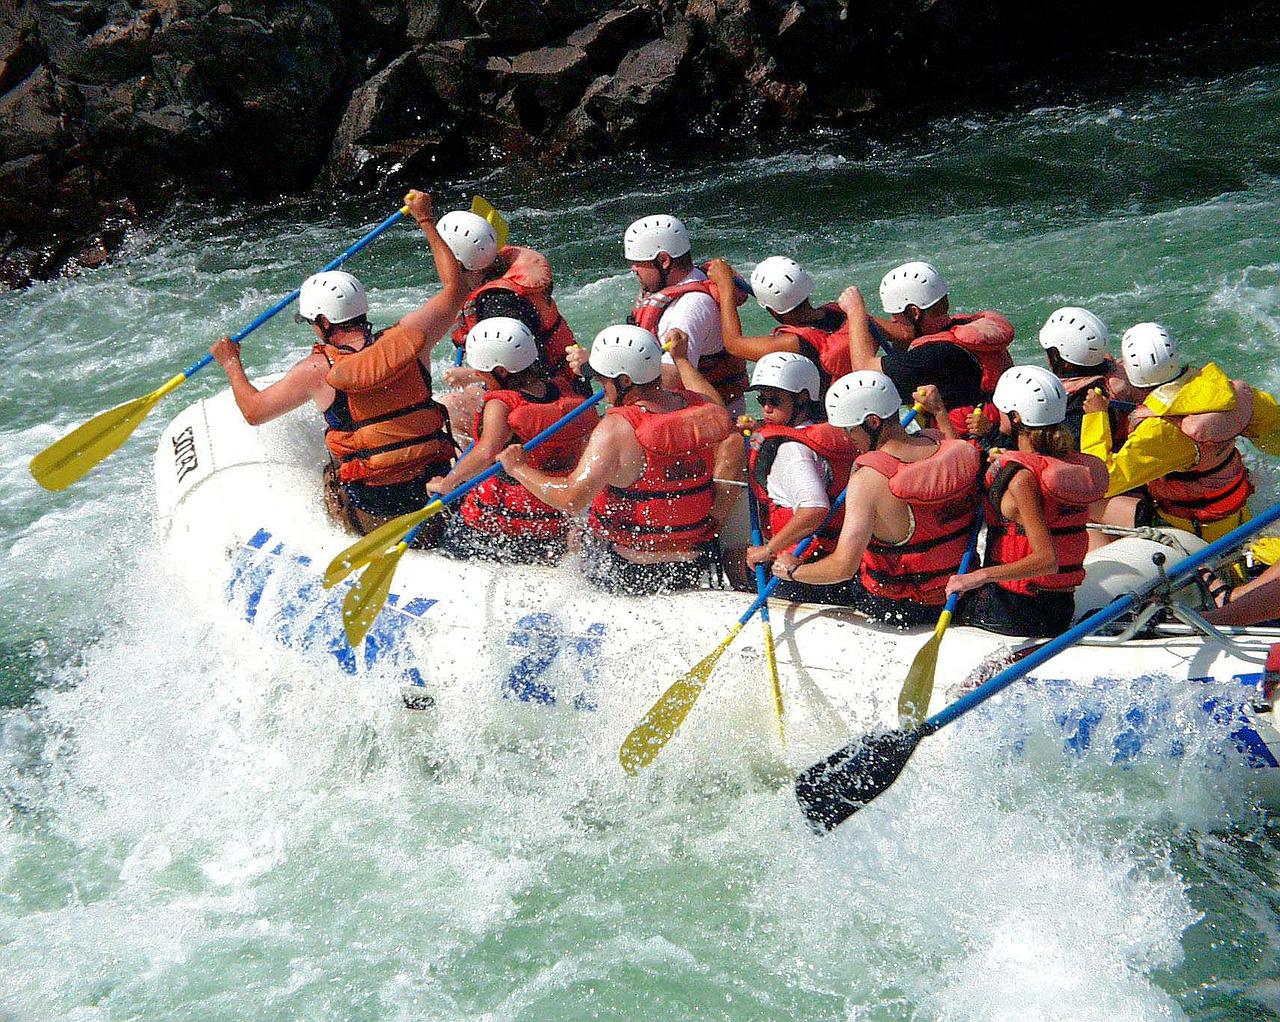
point(798, 477)
point(698, 315)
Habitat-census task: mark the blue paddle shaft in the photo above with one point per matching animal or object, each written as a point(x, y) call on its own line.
point(966, 562)
point(292, 296)
point(757, 539)
point(803, 547)
point(461, 491)
point(1100, 619)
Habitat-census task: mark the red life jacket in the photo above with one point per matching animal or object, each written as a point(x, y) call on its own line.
point(669, 507)
point(829, 443)
point(941, 492)
point(1109, 376)
point(830, 347)
point(1218, 484)
point(383, 426)
point(984, 335)
point(727, 373)
point(528, 274)
point(1067, 487)
point(501, 504)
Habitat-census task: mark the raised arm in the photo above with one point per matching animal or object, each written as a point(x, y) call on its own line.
point(862, 346)
point(304, 382)
point(751, 348)
point(434, 318)
point(676, 344)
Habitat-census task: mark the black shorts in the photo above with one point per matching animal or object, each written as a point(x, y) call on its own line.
point(996, 609)
point(947, 366)
point(461, 541)
point(606, 570)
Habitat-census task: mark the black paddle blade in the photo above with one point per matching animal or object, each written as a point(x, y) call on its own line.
point(831, 791)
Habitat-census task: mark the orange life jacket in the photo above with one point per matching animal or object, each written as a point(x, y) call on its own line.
point(1218, 484)
point(1109, 376)
point(383, 426)
point(501, 504)
point(727, 373)
point(829, 443)
point(1067, 487)
point(669, 507)
point(986, 336)
point(830, 348)
point(528, 274)
point(941, 492)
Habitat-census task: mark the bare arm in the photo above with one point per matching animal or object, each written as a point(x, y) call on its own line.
point(1021, 501)
point(495, 433)
point(677, 345)
point(751, 348)
point(304, 382)
point(859, 521)
point(434, 318)
point(862, 346)
point(594, 471)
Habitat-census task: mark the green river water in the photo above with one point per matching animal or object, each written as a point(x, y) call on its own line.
point(191, 830)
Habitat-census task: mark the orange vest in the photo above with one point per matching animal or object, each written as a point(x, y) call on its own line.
point(829, 443)
point(501, 504)
point(984, 335)
point(727, 373)
point(1067, 487)
point(383, 426)
point(528, 274)
point(669, 507)
point(1218, 484)
point(941, 492)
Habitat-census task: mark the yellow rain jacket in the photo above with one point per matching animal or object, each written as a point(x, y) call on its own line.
point(1158, 445)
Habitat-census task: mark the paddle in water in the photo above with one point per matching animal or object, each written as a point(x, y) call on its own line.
point(67, 460)
point(831, 791)
point(917, 689)
point(382, 549)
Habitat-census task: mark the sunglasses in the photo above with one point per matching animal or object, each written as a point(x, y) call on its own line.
point(299, 318)
point(771, 399)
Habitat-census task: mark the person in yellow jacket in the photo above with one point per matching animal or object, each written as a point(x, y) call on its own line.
point(1182, 441)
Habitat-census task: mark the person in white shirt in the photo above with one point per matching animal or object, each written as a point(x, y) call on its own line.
point(798, 463)
point(676, 295)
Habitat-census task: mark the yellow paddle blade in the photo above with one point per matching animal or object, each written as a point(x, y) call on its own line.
point(63, 462)
point(375, 544)
point(365, 601)
point(771, 659)
point(481, 206)
point(666, 715)
point(917, 690)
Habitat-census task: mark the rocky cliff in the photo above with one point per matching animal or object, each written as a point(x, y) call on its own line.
point(110, 109)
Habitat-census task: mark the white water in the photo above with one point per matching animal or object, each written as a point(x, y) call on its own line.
point(198, 825)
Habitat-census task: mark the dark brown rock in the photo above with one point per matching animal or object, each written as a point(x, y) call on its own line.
point(394, 128)
point(30, 120)
point(636, 95)
point(607, 38)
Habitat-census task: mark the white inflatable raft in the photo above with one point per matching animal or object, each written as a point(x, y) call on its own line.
point(243, 518)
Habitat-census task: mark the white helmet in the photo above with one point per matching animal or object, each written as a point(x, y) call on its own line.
point(785, 370)
point(501, 341)
point(1034, 393)
point(470, 238)
point(1150, 355)
point(852, 398)
point(653, 234)
point(1080, 337)
point(626, 349)
point(919, 284)
point(780, 284)
point(335, 295)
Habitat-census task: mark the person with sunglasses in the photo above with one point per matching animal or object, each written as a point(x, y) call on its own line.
point(386, 434)
point(797, 465)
